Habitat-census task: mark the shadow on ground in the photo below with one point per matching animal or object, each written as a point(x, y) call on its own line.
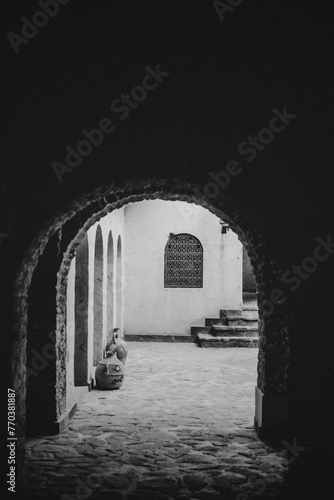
point(180, 427)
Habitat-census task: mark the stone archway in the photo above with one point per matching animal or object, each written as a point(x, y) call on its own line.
point(271, 403)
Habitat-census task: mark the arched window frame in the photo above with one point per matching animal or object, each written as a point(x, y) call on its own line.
point(183, 280)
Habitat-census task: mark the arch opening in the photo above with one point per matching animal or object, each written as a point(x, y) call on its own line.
point(274, 330)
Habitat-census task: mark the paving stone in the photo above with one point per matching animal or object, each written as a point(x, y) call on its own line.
point(83, 449)
point(66, 441)
point(32, 442)
point(43, 463)
point(213, 495)
point(72, 470)
point(255, 445)
point(67, 454)
point(78, 460)
point(40, 455)
point(195, 482)
point(206, 468)
point(240, 470)
point(116, 481)
point(218, 443)
point(68, 489)
point(205, 446)
point(107, 495)
point(146, 495)
point(193, 458)
point(52, 448)
point(162, 483)
point(41, 495)
point(93, 431)
point(228, 478)
point(246, 454)
point(176, 453)
point(95, 442)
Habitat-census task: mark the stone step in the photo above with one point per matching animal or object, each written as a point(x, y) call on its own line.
point(215, 321)
point(206, 340)
point(195, 330)
point(236, 320)
point(250, 313)
point(223, 313)
point(234, 331)
point(160, 338)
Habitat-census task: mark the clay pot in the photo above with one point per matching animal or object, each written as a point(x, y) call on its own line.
point(118, 345)
point(109, 373)
point(121, 347)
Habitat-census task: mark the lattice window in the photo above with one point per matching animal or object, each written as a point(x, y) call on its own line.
point(183, 262)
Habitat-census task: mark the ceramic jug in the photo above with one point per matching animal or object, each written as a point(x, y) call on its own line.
point(109, 373)
point(121, 346)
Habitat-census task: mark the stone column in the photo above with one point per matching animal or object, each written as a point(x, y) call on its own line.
point(271, 393)
point(81, 314)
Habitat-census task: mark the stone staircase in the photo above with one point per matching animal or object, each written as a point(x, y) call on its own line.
point(233, 328)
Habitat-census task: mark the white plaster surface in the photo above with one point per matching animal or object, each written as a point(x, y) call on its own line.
point(149, 307)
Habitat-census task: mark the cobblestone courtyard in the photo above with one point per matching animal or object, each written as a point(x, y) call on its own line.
point(181, 426)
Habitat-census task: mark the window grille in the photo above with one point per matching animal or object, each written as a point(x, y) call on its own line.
point(183, 262)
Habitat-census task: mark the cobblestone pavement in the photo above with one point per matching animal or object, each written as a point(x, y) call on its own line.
point(181, 427)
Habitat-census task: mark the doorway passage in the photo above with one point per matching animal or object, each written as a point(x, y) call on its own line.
point(57, 271)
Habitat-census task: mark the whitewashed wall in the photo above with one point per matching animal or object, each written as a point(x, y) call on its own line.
point(151, 308)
